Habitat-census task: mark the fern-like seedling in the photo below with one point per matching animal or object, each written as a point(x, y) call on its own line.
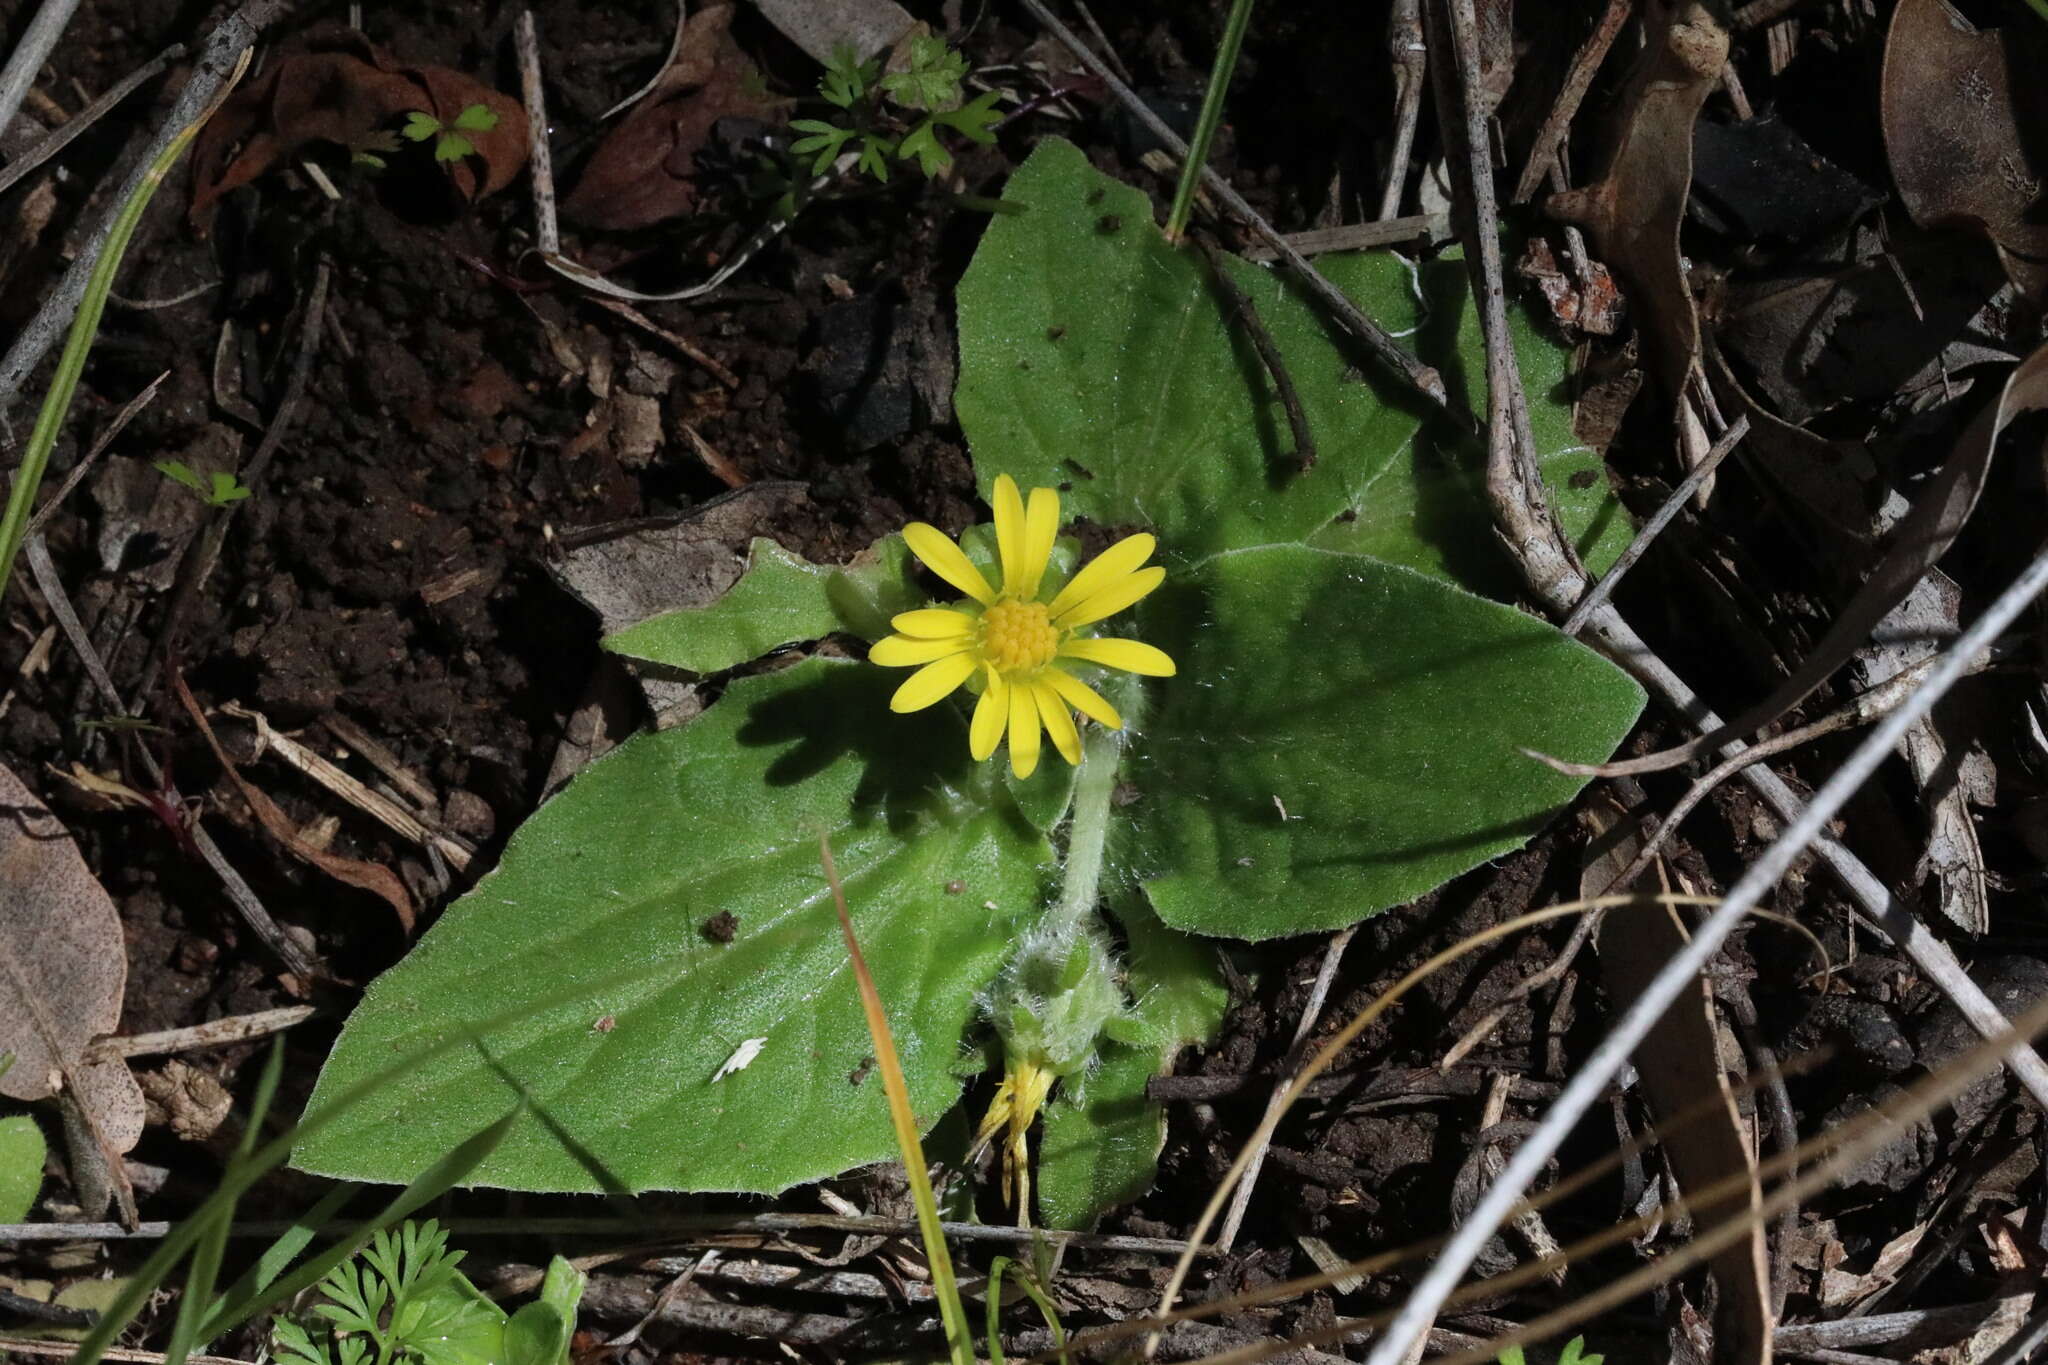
point(403, 1300)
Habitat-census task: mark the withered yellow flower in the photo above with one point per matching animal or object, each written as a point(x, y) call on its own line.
point(1013, 641)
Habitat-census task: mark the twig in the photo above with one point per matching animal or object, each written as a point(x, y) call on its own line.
point(1422, 378)
point(1108, 48)
point(376, 805)
point(1550, 137)
point(1354, 1087)
point(69, 1349)
point(251, 909)
point(26, 61)
point(223, 49)
point(1430, 229)
point(1311, 1010)
point(204, 553)
point(60, 137)
point(1604, 588)
point(714, 460)
point(710, 362)
point(1304, 456)
point(99, 448)
point(236, 1028)
point(681, 1227)
point(547, 233)
point(1707, 938)
point(1410, 56)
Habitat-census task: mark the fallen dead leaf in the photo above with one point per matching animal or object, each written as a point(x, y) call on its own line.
point(1961, 127)
point(644, 171)
point(63, 969)
point(66, 964)
point(345, 90)
point(1632, 212)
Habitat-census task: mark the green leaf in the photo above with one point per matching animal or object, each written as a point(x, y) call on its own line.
point(1345, 735)
point(975, 120)
point(536, 1335)
point(932, 81)
point(419, 126)
point(654, 839)
point(1098, 359)
point(781, 599)
point(177, 471)
point(1102, 1139)
point(453, 147)
point(923, 146)
point(476, 118)
point(224, 489)
point(22, 1153)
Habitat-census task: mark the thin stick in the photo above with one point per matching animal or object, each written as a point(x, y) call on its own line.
point(1422, 378)
point(204, 554)
point(224, 48)
point(27, 59)
point(1410, 56)
point(1304, 456)
point(1612, 1054)
point(252, 911)
point(236, 1028)
point(1604, 588)
point(1311, 1010)
point(1543, 151)
point(99, 448)
point(62, 136)
point(681, 1227)
point(547, 233)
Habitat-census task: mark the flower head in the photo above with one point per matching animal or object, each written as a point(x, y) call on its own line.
point(1013, 641)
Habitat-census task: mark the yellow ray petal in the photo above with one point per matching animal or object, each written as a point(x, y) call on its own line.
point(1106, 568)
point(932, 682)
point(991, 716)
point(900, 651)
point(1023, 730)
point(947, 560)
point(1041, 528)
point(1132, 656)
point(1082, 698)
point(1009, 510)
point(933, 623)
point(1111, 599)
point(1059, 722)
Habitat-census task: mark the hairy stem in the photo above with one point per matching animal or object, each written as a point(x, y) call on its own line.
point(1094, 790)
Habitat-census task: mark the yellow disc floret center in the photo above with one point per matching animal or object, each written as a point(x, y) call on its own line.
point(1018, 637)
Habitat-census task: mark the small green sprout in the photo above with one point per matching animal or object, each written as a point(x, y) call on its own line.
point(404, 1302)
point(217, 489)
point(451, 141)
point(1571, 1355)
point(929, 84)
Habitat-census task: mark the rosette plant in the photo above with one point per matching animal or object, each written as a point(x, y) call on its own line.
point(1304, 712)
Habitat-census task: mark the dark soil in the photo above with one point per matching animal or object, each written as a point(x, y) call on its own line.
point(391, 570)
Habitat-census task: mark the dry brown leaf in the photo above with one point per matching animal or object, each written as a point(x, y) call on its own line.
point(644, 171)
point(344, 89)
point(1632, 212)
point(65, 964)
point(1677, 1064)
point(1962, 132)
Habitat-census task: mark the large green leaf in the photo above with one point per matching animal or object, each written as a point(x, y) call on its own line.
point(1345, 735)
point(626, 866)
point(1096, 358)
point(1102, 1137)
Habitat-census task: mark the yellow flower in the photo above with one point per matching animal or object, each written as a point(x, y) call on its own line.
point(1011, 641)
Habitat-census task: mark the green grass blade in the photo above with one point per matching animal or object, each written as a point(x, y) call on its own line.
point(1211, 116)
